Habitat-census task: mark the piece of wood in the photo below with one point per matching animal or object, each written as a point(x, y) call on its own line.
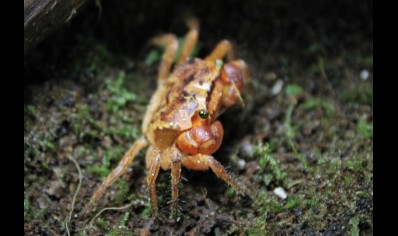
point(42, 17)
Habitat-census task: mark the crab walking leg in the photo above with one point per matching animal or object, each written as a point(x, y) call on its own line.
point(221, 173)
point(117, 172)
point(154, 166)
point(190, 39)
point(223, 48)
point(203, 162)
point(175, 180)
point(171, 43)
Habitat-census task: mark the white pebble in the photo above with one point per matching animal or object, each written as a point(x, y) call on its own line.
point(241, 164)
point(364, 75)
point(247, 149)
point(277, 87)
point(280, 192)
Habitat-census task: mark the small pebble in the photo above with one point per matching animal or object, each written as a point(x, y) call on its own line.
point(247, 149)
point(364, 75)
point(280, 192)
point(241, 164)
point(277, 87)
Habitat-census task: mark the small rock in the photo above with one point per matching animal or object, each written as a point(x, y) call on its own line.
point(280, 192)
point(241, 164)
point(59, 172)
point(43, 202)
point(55, 188)
point(364, 75)
point(277, 88)
point(246, 149)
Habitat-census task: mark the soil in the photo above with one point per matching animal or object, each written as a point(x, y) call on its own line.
point(305, 130)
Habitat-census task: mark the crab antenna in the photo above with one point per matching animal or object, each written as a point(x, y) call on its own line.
point(239, 96)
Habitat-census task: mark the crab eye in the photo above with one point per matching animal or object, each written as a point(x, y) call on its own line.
point(204, 114)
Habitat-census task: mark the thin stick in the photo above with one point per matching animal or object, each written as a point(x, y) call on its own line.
point(108, 208)
point(90, 223)
point(74, 196)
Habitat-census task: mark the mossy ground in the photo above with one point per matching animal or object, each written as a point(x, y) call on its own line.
point(313, 137)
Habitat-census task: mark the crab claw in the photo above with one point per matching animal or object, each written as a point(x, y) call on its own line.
point(234, 75)
point(204, 139)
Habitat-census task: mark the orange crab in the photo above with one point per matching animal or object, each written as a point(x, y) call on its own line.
point(180, 124)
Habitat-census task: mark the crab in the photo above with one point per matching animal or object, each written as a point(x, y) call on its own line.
point(180, 126)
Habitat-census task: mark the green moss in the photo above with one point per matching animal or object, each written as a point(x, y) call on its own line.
point(48, 144)
point(290, 134)
point(26, 207)
point(258, 227)
point(362, 94)
point(113, 153)
point(317, 102)
point(112, 232)
point(292, 202)
point(120, 123)
point(312, 202)
point(153, 56)
point(230, 192)
point(98, 170)
point(300, 157)
point(365, 129)
point(100, 222)
point(43, 142)
point(123, 191)
point(288, 129)
point(118, 232)
point(119, 95)
point(123, 221)
point(354, 221)
point(265, 160)
point(357, 164)
point(44, 165)
point(293, 90)
point(347, 179)
point(264, 206)
point(31, 213)
point(146, 212)
point(31, 109)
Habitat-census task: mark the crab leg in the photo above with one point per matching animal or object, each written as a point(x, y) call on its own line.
point(154, 165)
point(190, 39)
point(171, 43)
point(175, 180)
point(203, 162)
point(117, 172)
point(223, 48)
point(221, 173)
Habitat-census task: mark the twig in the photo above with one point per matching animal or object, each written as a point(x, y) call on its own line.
point(74, 196)
point(108, 208)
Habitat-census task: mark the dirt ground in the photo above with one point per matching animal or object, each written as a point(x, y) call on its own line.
point(306, 129)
